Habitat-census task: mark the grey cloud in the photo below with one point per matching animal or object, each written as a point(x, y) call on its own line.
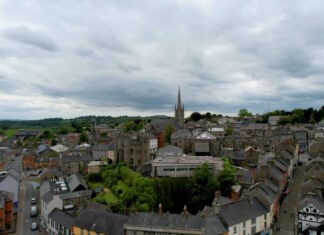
point(25, 35)
point(133, 55)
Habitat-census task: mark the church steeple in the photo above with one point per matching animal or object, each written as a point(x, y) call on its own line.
point(179, 97)
point(179, 110)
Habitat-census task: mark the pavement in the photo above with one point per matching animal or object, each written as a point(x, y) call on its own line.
point(287, 213)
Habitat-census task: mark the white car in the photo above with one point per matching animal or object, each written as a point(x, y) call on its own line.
point(33, 200)
point(34, 226)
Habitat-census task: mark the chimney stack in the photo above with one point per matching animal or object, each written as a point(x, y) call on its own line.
point(185, 211)
point(160, 210)
point(217, 194)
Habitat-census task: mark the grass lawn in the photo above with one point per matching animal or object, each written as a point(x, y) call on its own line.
point(110, 197)
point(10, 133)
point(94, 185)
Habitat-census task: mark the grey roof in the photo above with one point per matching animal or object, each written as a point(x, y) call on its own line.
point(77, 194)
point(263, 193)
point(170, 149)
point(166, 220)
point(76, 157)
point(238, 155)
point(221, 201)
point(161, 124)
point(242, 210)
point(14, 173)
point(275, 172)
point(246, 176)
point(103, 147)
point(181, 134)
point(214, 226)
point(75, 180)
point(210, 224)
point(96, 218)
point(314, 200)
point(62, 218)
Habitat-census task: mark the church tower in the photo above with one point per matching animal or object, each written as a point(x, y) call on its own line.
point(179, 110)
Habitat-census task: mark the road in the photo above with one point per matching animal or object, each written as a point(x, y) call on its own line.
point(27, 192)
point(286, 216)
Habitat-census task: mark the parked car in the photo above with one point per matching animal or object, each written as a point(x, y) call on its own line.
point(3, 173)
point(33, 211)
point(34, 226)
point(33, 200)
point(33, 173)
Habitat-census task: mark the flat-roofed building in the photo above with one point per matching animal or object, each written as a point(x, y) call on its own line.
point(184, 166)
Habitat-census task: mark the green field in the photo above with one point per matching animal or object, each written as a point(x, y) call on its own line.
point(11, 132)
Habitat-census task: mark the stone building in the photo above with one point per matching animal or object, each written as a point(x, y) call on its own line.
point(133, 149)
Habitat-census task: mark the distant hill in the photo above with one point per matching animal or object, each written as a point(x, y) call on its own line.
point(60, 122)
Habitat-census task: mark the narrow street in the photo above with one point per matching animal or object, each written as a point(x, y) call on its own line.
point(286, 215)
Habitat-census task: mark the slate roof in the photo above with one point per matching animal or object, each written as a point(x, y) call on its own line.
point(314, 200)
point(221, 201)
point(161, 124)
point(75, 180)
point(181, 134)
point(242, 210)
point(205, 136)
point(214, 226)
point(103, 147)
point(245, 176)
point(96, 218)
point(77, 194)
point(238, 155)
point(166, 220)
point(62, 218)
point(76, 157)
point(170, 149)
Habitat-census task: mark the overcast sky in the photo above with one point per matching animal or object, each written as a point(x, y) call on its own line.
point(70, 58)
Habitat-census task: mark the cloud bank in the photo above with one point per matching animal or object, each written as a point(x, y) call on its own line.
point(70, 58)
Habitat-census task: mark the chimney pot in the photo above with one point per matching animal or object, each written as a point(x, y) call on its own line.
point(217, 193)
point(160, 210)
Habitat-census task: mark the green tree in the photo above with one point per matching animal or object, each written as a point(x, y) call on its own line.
point(83, 138)
point(229, 128)
point(244, 113)
point(54, 142)
point(168, 132)
point(195, 116)
point(201, 188)
point(1, 131)
point(227, 178)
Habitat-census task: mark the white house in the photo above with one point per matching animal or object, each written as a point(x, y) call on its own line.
point(310, 213)
point(153, 144)
point(246, 216)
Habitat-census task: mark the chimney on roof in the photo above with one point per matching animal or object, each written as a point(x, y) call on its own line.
point(185, 212)
point(217, 194)
point(160, 210)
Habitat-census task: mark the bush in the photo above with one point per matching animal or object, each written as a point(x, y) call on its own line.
point(94, 177)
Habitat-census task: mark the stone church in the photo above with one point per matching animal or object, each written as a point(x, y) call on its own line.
point(179, 110)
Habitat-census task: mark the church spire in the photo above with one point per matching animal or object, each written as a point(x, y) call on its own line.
point(179, 97)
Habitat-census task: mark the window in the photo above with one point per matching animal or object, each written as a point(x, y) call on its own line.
point(244, 224)
point(265, 224)
point(234, 229)
point(254, 221)
point(244, 233)
point(253, 229)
